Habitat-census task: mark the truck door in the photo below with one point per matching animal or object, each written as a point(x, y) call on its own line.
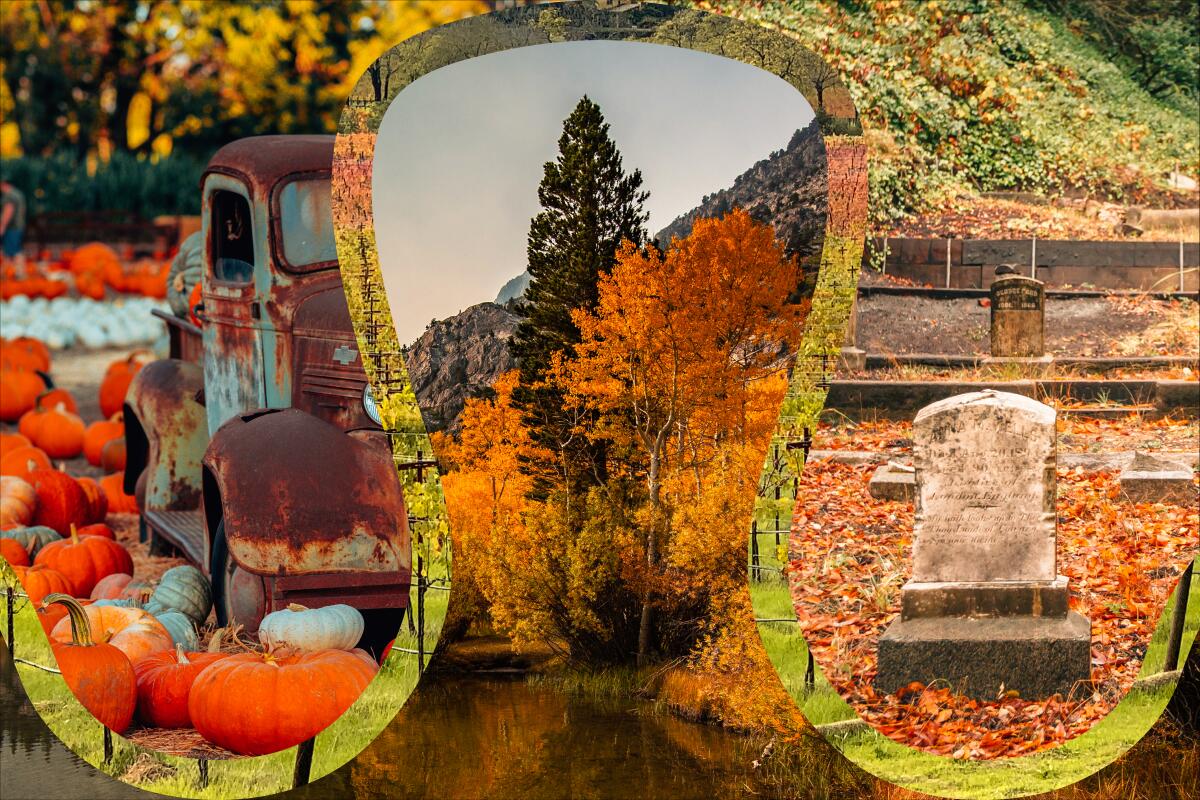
point(235, 262)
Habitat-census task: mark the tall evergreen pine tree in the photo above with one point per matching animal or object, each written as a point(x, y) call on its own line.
point(589, 206)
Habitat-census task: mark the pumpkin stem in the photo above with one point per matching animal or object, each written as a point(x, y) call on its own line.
point(214, 644)
point(180, 656)
point(296, 607)
point(74, 534)
point(81, 631)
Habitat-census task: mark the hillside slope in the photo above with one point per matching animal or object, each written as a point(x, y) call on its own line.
point(786, 189)
point(961, 97)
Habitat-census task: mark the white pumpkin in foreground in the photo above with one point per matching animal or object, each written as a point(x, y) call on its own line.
point(336, 627)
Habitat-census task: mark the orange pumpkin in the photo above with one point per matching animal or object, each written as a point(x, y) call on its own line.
point(21, 462)
point(99, 434)
point(57, 396)
point(99, 673)
point(25, 353)
point(18, 502)
point(112, 458)
point(111, 587)
point(164, 681)
point(96, 498)
point(133, 631)
point(118, 501)
point(195, 299)
point(61, 501)
point(116, 382)
point(94, 257)
point(84, 560)
point(19, 390)
point(329, 681)
point(40, 580)
point(98, 529)
point(14, 552)
point(48, 616)
point(11, 441)
point(58, 432)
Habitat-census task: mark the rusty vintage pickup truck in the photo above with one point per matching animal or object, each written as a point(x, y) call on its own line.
point(255, 449)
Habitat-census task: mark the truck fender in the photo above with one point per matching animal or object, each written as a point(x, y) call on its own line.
point(166, 432)
point(299, 496)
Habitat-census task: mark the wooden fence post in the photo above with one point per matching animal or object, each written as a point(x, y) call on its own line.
point(12, 641)
point(754, 571)
point(108, 745)
point(202, 766)
point(304, 757)
point(1033, 258)
point(1178, 617)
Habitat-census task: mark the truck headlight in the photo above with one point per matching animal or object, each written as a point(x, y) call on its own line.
point(370, 406)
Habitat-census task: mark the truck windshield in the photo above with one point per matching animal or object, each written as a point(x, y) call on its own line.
point(305, 224)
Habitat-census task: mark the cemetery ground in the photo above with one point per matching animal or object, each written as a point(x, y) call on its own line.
point(1111, 326)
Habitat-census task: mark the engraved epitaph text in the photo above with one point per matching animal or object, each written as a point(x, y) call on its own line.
point(985, 490)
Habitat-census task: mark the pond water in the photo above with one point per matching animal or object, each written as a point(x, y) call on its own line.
point(485, 737)
point(34, 763)
point(458, 737)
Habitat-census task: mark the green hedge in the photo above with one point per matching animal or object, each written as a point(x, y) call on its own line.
point(124, 183)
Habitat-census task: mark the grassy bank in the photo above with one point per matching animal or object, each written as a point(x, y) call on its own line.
point(1109, 742)
point(243, 777)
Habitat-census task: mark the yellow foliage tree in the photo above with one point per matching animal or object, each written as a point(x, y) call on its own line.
point(683, 352)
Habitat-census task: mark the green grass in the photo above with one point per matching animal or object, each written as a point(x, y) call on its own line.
point(908, 767)
point(244, 777)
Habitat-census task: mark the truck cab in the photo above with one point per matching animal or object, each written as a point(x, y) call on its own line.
point(254, 448)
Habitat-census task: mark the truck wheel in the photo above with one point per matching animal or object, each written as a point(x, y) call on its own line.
point(238, 596)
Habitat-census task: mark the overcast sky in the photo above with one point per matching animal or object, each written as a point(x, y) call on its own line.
point(460, 153)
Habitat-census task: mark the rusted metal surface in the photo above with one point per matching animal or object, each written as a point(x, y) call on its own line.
point(299, 496)
point(300, 478)
point(362, 590)
point(161, 406)
point(183, 529)
point(183, 337)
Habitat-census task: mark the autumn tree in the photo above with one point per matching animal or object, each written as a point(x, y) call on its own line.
point(589, 207)
point(670, 362)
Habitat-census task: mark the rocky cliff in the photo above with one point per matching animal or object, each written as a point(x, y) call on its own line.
point(786, 189)
point(457, 358)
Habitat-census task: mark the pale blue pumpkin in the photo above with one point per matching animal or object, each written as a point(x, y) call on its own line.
point(181, 628)
point(183, 589)
point(336, 627)
point(33, 538)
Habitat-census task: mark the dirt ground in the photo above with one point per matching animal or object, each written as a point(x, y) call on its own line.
point(1100, 326)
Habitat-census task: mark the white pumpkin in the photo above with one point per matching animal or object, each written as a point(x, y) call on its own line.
point(336, 627)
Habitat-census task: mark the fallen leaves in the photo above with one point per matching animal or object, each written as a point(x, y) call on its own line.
point(850, 554)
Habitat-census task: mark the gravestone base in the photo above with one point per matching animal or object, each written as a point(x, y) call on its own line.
point(1035, 656)
point(892, 484)
point(1153, 479)
point(1031, 599)
point(1159, 487)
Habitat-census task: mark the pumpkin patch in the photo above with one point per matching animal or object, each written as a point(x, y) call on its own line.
point(84, 560)
point(133, 631)
point(164, 681)
point(293, 696)
point(99, 673)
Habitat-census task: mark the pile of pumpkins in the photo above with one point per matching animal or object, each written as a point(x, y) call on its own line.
point(49, 428)
point(79, 321)
point(91, 270)
point(125, 658)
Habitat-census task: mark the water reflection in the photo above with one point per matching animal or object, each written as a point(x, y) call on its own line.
point(34, 763)
point(475, 737)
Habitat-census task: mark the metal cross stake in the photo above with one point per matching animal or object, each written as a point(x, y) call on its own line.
point(419, 465)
